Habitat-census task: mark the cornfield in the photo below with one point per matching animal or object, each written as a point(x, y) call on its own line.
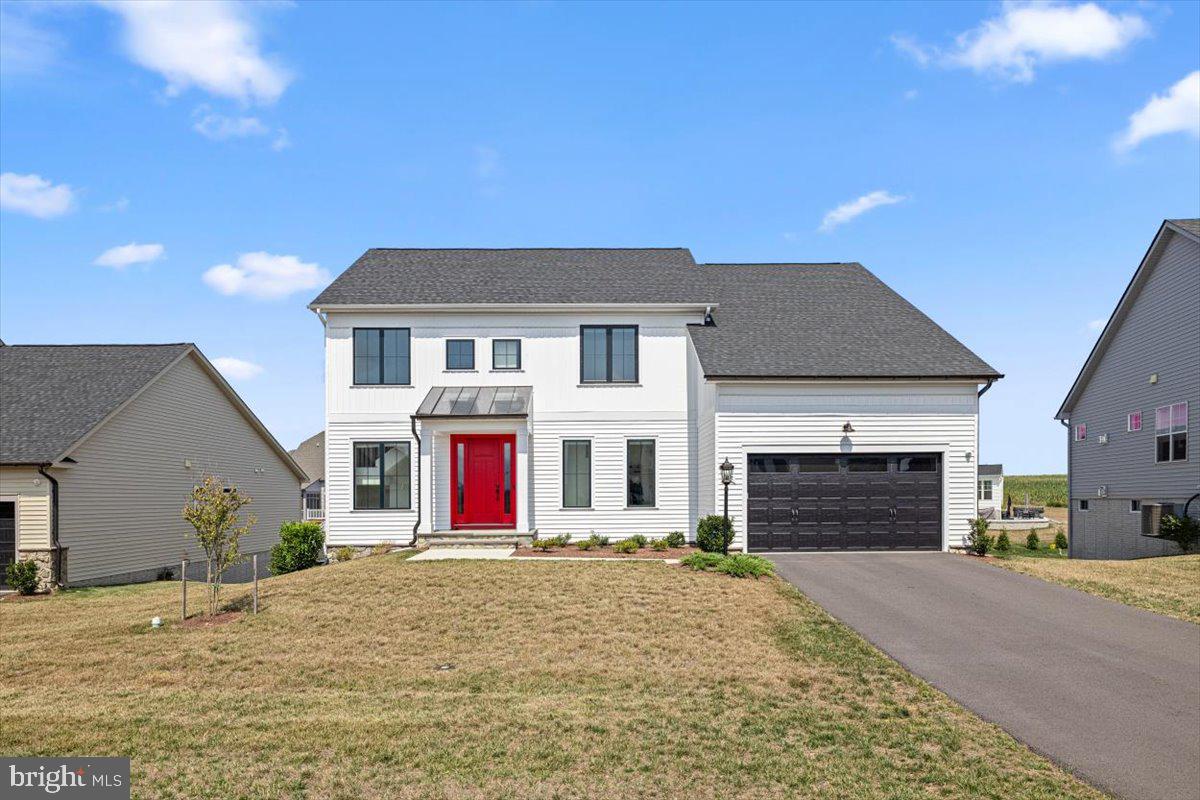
point(1044, 490)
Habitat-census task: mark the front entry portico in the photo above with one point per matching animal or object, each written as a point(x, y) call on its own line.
point(483, 480)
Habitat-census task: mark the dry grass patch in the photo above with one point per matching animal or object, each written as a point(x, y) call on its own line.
point(1169, 585)
point(568, 680)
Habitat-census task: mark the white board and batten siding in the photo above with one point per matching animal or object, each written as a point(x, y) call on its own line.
point(886, 417)
point(121, 504)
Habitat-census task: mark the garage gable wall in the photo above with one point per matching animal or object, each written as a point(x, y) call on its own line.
point(887, 418)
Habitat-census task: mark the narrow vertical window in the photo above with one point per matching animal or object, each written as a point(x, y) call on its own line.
point(577, 473)
point(1080, 432)
point(1134, 422)
point(508, 477)
point(462, 466)
point(639, 472)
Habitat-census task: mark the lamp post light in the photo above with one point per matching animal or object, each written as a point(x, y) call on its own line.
point(726, 479)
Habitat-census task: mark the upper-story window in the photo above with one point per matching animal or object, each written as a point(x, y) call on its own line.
point(1133, 422)
point(1170, 432)
point(985, 490)
point(1080, 432)
point(460, 354)
point(506, 354)
point(608, 354)
point(381, 356)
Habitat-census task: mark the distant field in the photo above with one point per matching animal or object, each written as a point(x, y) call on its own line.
point(1044, 490)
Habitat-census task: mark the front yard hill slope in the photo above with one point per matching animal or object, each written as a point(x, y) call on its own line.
point(382, 677)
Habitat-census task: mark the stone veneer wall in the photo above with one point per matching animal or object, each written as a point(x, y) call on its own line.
point(52, 571)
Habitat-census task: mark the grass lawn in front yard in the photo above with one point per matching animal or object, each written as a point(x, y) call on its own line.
point(1168, 585)
point(496, 679)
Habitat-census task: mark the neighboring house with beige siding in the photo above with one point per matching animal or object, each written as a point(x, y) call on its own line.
point(100, 446)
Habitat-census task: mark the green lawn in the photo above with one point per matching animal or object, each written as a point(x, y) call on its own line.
point(1168, 585)
point(563, 680)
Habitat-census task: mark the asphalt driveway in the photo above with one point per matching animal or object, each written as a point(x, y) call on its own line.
point(1108, 691)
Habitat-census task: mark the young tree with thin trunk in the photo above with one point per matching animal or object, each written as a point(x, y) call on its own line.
point(213, 511)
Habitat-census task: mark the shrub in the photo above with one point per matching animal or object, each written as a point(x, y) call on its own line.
point(714, 533)
point(738, 565)
point(676, 539)
point(585, 544)
point(1002, 542)
point(542, 544)
point(382, 548)
point(562, 540)
point(701, 561)
point(741, 565)
point(598, 541)
point(1032, 541)
point(979, 541)
point(629, 545)
point(23, 576)
point(1183, 531)
point(300, 546)
point(639, 538)
point(343, 554)
point(1060, 540)
point(659, 544)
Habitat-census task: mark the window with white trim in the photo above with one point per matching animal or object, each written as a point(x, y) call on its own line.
point(1083, 505)
point(985, 490)
point(1135, 506)
point(1080, 432)
point(1133, 422)
point(1170, 432)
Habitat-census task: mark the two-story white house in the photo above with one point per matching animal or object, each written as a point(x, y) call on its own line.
point(599, 390)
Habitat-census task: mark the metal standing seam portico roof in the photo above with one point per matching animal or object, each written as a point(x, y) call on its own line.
point(475, 401)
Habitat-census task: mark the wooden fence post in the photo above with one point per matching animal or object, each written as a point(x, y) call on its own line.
point(183, 580)
point(254, 559)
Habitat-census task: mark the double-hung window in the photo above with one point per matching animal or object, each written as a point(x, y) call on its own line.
point(577, 473)
point(381, 356)
point(639, 473)
point(460, 354)
point(382, 475)
point(608, 354)
point(1170, 432)
point(985, 490)
point(506, 354)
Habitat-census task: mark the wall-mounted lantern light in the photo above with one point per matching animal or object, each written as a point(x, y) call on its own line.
point(847, 428)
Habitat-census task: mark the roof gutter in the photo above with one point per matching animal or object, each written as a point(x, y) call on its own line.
point(818, 378)
point(54, 545)
point(1066, 423)
point(323, 308)
point(985, 388)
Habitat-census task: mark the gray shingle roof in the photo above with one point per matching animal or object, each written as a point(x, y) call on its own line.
point(585, 275)
point(773, 320)
point(1192, 226)
point(821, 321)
point(51, 395)
point(991, 469)
point(310, 455)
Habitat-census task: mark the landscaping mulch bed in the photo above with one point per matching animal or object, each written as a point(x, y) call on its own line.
point(571, 551)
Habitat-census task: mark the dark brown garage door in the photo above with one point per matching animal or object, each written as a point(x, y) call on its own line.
point(837, 502)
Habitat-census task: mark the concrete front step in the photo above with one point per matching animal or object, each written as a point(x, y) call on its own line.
point(492, 538)
point(437, 542)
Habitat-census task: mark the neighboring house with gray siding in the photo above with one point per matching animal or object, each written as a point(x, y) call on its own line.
point(310, 455)
point(1134, 410)
point(100, 446)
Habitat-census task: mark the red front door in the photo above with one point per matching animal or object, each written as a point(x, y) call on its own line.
point(483, 484)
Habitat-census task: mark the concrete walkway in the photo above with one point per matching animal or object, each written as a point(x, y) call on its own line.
point(451, 553)
point(1109, 691)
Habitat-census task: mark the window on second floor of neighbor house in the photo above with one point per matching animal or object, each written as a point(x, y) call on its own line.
point(1133, 422)
point(381, 356)
point(1170, 432)
point(985, 490)
point(1080, 432)
point(608, 354)
point(639, 472)
point(460, 354)
point(382, 475)
point(506, 354)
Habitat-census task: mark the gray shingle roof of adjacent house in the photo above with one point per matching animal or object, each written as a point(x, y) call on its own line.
point(1192, 226)
point(310, 455)
point(991, 469)
point(51, 395)
point(772, 320)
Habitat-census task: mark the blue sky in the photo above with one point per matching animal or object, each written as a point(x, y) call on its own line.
point(1003, 166)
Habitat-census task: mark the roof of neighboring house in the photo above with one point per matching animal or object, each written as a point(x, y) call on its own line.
point(770, 320)
point(310, 455)
point(52, 396)
point(991, 469)
point(1189, 229)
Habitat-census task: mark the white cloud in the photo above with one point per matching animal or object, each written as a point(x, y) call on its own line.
point(35, 196)
point(911, 94)
point(128, 254)
point(265, 276)
point(282, 140)
point(1096, 324)
point(1177, 111)
point(25, 48)
point(1028, 35)
point(861, 205)
point(236, 369)
point(212, 46)
point(219, 127)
